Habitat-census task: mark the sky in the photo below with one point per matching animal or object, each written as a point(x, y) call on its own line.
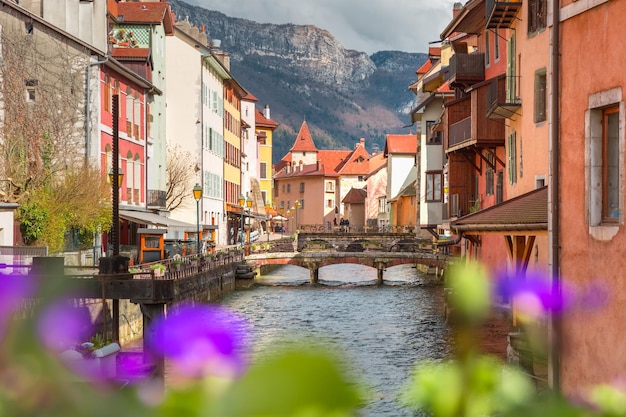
point(363, 25)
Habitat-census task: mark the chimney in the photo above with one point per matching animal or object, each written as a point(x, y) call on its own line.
point(362, 142)
point(224, 58)
point(456, 9)
point(266, 111)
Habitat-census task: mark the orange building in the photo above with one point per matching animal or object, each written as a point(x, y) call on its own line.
point(589, 179)
point(318, 180)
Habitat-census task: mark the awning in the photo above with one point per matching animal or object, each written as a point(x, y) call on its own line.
point(519, 215)
point(148, 218)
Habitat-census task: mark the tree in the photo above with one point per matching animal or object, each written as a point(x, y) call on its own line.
point(42, 163)
point(180, 171)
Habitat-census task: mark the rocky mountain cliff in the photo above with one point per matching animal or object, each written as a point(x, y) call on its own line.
point(304, 73)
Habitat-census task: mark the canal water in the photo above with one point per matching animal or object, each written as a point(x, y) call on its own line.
point(381, 331)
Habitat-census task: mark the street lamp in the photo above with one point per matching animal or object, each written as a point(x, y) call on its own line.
point(298, 205)
point(289, 220)
point(267, 221)
point(242, 201)
point(197, 195)
point(249, 205)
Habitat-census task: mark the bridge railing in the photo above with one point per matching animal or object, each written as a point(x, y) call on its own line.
point(320, 228)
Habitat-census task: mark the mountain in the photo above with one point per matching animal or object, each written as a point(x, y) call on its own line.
point(304, 73)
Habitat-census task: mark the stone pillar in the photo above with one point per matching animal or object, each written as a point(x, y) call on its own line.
point(314, 274)
point(379, 278)
point(150, 313)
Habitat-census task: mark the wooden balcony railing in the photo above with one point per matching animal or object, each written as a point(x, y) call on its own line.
point(466, 68)
point(460, 132)
point(502, 99)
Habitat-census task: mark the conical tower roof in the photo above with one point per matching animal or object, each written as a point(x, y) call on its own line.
point(304, 141)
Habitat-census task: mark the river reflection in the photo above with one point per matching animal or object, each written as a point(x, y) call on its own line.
point(381, 331)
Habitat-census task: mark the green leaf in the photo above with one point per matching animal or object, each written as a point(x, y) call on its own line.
point(299, 382)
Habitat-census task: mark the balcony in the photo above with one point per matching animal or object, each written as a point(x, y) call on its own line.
point(157, 199)
point(502, 99)
point(466, 69)
point(466, 123)
point(501, 14)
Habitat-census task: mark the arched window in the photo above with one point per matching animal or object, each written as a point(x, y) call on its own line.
point(137, 179)
point(129, 174)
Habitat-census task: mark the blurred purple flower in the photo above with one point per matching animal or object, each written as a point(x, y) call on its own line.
point(61, 325)
point(534, 294)
point(14, 289)
point(201, 340)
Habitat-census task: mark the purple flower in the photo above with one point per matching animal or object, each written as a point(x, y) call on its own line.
point(533, 295)
point(200, 340)
point(61, 325)
point(14, 289)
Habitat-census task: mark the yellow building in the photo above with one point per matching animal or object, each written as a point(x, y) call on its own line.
point(233, 93)
point(264, 130)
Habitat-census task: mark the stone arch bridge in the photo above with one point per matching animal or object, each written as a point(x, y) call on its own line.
point(313, 261)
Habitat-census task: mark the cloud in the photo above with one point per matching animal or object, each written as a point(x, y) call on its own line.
point(375, 25)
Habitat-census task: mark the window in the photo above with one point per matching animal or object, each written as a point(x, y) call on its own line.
point(604, 132)
point(288, 189)
point(329, 186)
point(512, 157)
point(282, 205)
point(496, 46)
point(28, 27)
point(107, 94)
point(31, 90)
point(537, 15)
point(361, 178)
point(487, 51)
point(610, 164)
point(489, 173)
point(283, 188)
point(301, 204)
point(263, 170)
point(500, 187)
point(301, 187)
point(382, 204)
point(329, 203)
point(433, 186)
point(540, 96)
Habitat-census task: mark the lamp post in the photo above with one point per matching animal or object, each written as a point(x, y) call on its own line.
point(242, 201)
point(249, 206)
point(298, 205)
point(115, 178)
point(289, 220)
point(197, 195)
point(267, 221)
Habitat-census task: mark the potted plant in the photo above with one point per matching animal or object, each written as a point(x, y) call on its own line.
point(158, 269)
point(178, 264)
point(94, 359)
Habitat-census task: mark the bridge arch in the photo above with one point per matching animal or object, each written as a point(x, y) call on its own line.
point(314, 261)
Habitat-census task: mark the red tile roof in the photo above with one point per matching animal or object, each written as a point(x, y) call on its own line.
point(445, 88)
point(130, 53)
point(333, 158)
point(306, 171)
point(147, 13)
point(250, 97)
point(377, 161)
point(357, 162)
point(405, 144)
point(304, 141)
point(261, 121)
point(426, 66)
point(434, 51)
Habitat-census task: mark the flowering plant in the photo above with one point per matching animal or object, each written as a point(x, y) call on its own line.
point(207, 348)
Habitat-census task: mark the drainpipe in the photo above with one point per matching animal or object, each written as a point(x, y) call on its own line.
point(555, 353)
point(88, 105)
